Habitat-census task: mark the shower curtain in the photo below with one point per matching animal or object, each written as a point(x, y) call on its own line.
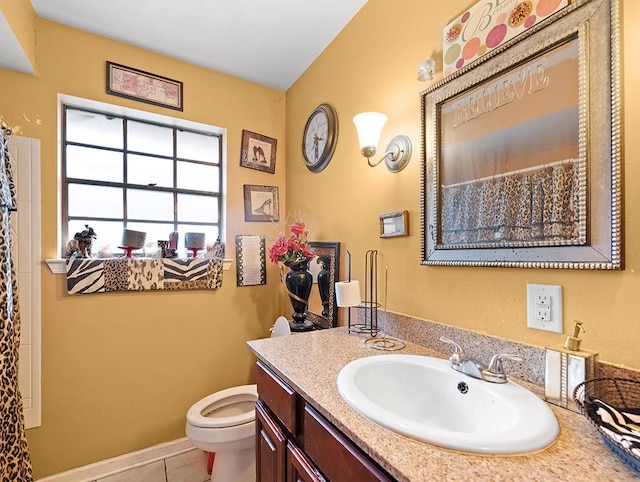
point(15, 463)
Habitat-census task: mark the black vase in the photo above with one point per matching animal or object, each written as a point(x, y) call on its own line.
point(299, 282)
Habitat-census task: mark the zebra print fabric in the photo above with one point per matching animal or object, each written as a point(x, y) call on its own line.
point(117, 274)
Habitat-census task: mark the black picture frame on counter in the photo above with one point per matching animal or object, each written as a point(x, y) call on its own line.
point(322, 309)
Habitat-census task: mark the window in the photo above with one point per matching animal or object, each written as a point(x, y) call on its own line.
point(120, 172)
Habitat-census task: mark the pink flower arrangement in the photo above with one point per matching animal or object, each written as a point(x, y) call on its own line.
point(292, 249)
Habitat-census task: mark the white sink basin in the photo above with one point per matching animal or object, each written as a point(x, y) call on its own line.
point(423, 398)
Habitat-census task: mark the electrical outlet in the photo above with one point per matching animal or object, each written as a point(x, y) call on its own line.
point(544, 307)
point(542, 300)
point(543, 314)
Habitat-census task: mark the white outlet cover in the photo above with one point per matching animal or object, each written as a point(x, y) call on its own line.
point(554, 292)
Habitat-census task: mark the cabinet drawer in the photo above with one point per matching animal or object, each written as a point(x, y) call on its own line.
point(278, 396)
point(334, 455)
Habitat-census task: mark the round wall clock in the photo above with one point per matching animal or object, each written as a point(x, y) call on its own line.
point(320, 137)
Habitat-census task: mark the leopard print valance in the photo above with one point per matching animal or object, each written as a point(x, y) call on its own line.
point(86, 275)
point(539, 206)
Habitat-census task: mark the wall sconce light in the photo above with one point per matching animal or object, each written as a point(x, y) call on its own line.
point(369, 126)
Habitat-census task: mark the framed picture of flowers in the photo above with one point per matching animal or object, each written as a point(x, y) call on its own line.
point(261, 203)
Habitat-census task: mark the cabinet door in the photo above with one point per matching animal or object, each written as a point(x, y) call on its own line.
point(270, 447)
point(335, 455)
point(299, 467)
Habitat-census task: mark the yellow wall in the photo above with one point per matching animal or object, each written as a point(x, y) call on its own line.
point(119, 371)
point(372, 66)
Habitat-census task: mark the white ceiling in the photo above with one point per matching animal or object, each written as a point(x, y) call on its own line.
point(270, 42)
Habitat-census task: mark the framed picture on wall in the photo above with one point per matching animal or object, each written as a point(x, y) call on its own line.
point(143, 86)
point(394, 224)
point(261, 203)
point(250, 260)
point(258, 152)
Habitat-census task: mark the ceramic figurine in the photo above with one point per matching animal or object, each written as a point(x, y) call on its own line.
point(80, 245)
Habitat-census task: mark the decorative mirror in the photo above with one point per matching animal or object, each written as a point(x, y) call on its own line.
point(322, 310)
point(522, 150)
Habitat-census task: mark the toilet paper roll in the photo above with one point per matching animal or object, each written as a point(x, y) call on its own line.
point(348, 293)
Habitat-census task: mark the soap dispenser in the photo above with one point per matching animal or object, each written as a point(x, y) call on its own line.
point(566, 367)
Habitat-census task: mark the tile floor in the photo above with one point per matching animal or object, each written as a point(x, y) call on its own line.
point(190, 466)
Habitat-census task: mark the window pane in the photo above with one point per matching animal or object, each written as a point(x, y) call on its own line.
point(109, 234)
point(149, 170)
point(157, 206)
point(94, 128)
point(94, 164)
point(195, 166)
point(197, 208)
point(198, 147)
point(211, 233)
point(200, 177)
point(149, 138)
point(95, 201)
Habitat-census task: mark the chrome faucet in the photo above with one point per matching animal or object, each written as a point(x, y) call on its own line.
point(493, 373)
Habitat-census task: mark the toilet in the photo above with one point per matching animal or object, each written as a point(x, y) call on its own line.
point(224, 423)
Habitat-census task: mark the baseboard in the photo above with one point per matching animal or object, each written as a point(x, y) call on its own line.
point(124, 462)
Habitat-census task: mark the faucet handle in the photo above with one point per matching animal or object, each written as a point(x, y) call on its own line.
point(495, 365)
point(457, 350)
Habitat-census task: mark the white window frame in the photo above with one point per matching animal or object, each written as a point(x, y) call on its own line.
point(72, 101)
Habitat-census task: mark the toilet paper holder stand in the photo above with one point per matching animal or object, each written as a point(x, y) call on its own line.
point(367, 319)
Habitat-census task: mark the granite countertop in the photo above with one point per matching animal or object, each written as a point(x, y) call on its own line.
point(310, 362)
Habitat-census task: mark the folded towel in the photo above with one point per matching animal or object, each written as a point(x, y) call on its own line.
point(622, 440)
point(625, 419)
point(621, 425)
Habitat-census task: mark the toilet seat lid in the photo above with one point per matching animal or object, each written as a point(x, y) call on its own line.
point(244, 396)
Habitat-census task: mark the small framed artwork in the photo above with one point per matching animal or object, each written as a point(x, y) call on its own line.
point(261, 203)
point(487, 25)
point(258, 152)
point(394, 224)
point(142, 86)
point(250, 260)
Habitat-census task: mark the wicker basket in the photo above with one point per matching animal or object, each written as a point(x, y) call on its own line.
point(621, 393)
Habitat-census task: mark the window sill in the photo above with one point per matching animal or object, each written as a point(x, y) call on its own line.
point(59, 265)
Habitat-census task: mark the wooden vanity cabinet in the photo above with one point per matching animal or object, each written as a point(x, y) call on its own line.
point(271, 446)
point(295, 443)
point(299, 467)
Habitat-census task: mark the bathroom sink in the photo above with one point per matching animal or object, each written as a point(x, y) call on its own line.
point(423, 398)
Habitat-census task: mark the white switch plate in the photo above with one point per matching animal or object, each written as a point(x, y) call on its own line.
point(544, 307)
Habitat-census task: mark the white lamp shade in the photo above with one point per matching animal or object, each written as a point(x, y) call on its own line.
point(369, 126)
